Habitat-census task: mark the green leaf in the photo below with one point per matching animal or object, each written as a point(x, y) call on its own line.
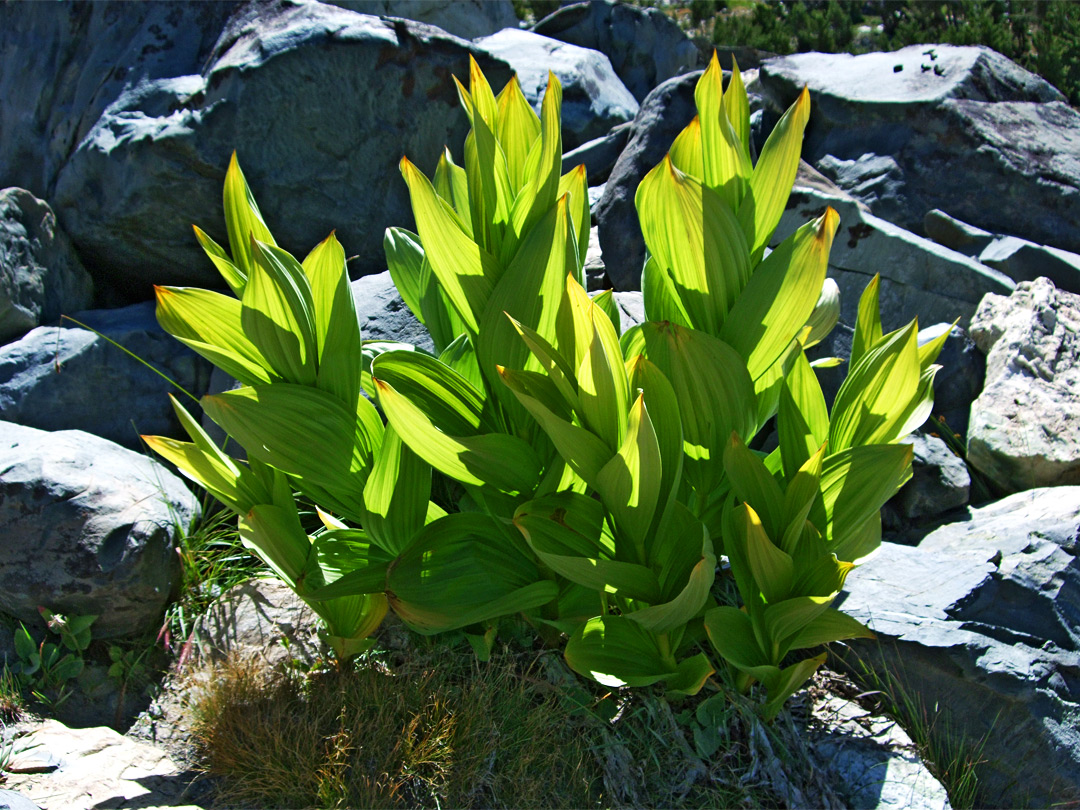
point(785, 619)
point(726, 160)
point(665, 415)
point(732, 634)
point(830, 625)
point(736, 106)
point(773, 570)
point(691, 675)
point(781, 295)
point(855, 484)
point(396, 494)
point(773, 177)
point(306, 433)
point(466, 272)
point(802, 419)
point(610, 307)
point(405, 260)
point(575, 183)
point(686, 151)
point(787, 682)
point(517, 128)
point(692, 233)
point(660, 296)
point(277, 312)
point(754, 485)
point(233, 275)
point(210, 324)
point(452, 184)
point(566, 532)
point(874, 401)
point(537, 197)
point(868, 322)
point(460, 570)
point(242, 218)
point(275, 535)
point(337, 330)
point(616, 652)
point(350, 564)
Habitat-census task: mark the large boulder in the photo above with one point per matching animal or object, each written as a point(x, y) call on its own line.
point(645, 46)
point(87, 527)
point(1025, 429)
point(384, 316)
point(989, 635)
point(919, 128)
point(68, 378)
point(919, 278)
point(62, 64)
point(462, 18)
point(40, 275)
point(594, 100)
point(319, 102)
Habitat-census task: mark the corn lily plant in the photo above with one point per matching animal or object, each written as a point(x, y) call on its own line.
point(591, 480)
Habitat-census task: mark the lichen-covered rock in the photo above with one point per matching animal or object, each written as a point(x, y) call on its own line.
point(40, 275)
point(645, 46)
point(87, 527)
point(65, 377)
point(979, 619)
point(1025, 426)
point(594, 100)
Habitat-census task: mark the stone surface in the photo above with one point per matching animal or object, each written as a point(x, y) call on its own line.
point(954, 234)
point(918, 277)
point(910, 141)
point(320, 104)
point(595, 276)
point(262, 619)
point(645, 47)
point(594, 99)
point(40, 275)
point(1025, 426)
point(384, 316)
point(871, 759)
point(980, 619)
point(96, 768)
point(1022, 260)
point(462, 18)
point(67, 378)
point(10, 800)
point(939, 482)
point(87, 527)
point(598, 155)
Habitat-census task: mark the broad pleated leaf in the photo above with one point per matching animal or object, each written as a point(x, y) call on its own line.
point(665, 415)
point(243, 221)
point(575, 183)
point(337, 331)
point(770, 184)
point(785, 619)
point(452, 184)
point(754, 485)
point(306, 433)
point(609, 306)
point(830, 625)
point(691, 231)
point(517, 127)
point(661, 296)
point(405, 260)
point(854, 485)
point(210, 324)
point(616, 652)
point(233, 275)
point(686, 150)
point(781, 295)
point(538, 195)
point(802, 418)
point(275, 535)
point(277, 313)
point(773, 570)
point(396, 494)
point(736, 106)
point(868, 322)
point(788, 681)
point(732, 634)
point(466, 272)
point(726, 162)
point(460, 570)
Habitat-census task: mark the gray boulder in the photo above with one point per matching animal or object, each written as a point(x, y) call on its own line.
point(912, 140)
point(68, 378)
point(594, 100)
point(87, 527)
point(263, 619)
point(989, 636)
point(1022, 260)
point(919, 278)
point(62, 64)
point(467, 19)
point(954, 234)
point(599, 155)
point(939, 482)
point(384, 316)
point(40, 275)
point(645, 46)
point(1024, 429)
point(319, 102)
point(960, 381)
point(10, 800)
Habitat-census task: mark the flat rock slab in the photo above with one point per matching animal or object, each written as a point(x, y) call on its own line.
point(1025, 425)
point(982, 619)
point(87, 527)
point(80, 769)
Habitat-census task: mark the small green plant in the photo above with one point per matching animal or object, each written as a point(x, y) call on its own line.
point(45, 668)
point(11, 698)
